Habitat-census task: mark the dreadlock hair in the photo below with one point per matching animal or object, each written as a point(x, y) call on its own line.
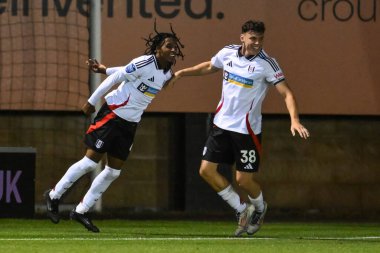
point(156, 41)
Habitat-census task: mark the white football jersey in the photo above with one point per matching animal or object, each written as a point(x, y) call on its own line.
point(245, 84)
point(140, 81)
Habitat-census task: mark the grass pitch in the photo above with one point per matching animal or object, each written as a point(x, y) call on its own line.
point(17, 235)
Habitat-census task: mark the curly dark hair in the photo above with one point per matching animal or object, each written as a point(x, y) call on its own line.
point(253, 25)
point(156, 41)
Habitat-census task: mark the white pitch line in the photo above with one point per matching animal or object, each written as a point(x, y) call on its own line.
point(362, 238)
point(343, 238)
point(136, 239)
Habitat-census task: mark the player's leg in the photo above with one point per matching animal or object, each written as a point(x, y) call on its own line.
point(218, 150)
point(248, 183)
point(94, 141)
point(209, 172)
point(77, 170)
point(100, 184)
point(247, 153)
point(118, 143)
point(98, 187)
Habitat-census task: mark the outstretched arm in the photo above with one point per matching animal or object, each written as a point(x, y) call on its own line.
point(291, 105)
point(97, 67)
point(201, 69)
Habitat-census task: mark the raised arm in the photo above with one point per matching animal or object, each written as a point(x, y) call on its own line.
point(97, 67)
point(291, 105)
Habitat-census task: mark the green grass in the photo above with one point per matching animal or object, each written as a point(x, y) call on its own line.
point(42, 236)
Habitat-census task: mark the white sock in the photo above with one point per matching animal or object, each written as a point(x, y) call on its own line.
point(75, 171)
point(232, 198)
point(98, 186)
point(258, 202)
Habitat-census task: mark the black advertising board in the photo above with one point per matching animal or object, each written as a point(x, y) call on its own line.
point(17, 174)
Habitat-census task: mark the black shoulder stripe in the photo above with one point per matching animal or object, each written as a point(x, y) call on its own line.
point(271, 62)
point(143, 63)
point(155, 61)
point(150, 58)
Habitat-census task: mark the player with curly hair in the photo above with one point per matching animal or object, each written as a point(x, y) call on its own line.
point(113, 129)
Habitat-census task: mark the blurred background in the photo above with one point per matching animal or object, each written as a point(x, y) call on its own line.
point(329, 52)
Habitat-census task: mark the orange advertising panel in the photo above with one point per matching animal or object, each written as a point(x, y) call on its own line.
point(328, 49)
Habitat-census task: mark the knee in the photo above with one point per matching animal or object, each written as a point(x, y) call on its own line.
point(87, 165)
point(205, 172)
point(208, 170)
point(111, 174)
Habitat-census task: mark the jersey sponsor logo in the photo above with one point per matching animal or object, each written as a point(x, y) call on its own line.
point(147, 90)
point(151, 79)
point(229, 64)
point(130, 68)
point(238, 80)
point(143, 87)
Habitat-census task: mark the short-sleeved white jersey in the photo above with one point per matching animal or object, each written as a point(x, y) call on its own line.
point(245, 83)
point(140, 81)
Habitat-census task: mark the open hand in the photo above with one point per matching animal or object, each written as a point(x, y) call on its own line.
point(302, 131)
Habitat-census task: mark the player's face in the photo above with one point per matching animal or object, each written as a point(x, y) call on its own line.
point(168, 51)
point(252, 42)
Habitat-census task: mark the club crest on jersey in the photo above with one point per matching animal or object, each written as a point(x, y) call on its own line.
point(99, 143)
point(130, 68)
point(226, 74)
point(251, 69)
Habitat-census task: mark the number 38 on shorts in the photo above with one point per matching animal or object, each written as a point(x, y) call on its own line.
point(248, 161)
point(248, 156)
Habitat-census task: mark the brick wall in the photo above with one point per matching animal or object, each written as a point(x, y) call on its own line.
point(336, 173)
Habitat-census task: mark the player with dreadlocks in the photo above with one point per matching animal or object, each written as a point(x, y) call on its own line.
point(155, 42)
point(113, 129)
